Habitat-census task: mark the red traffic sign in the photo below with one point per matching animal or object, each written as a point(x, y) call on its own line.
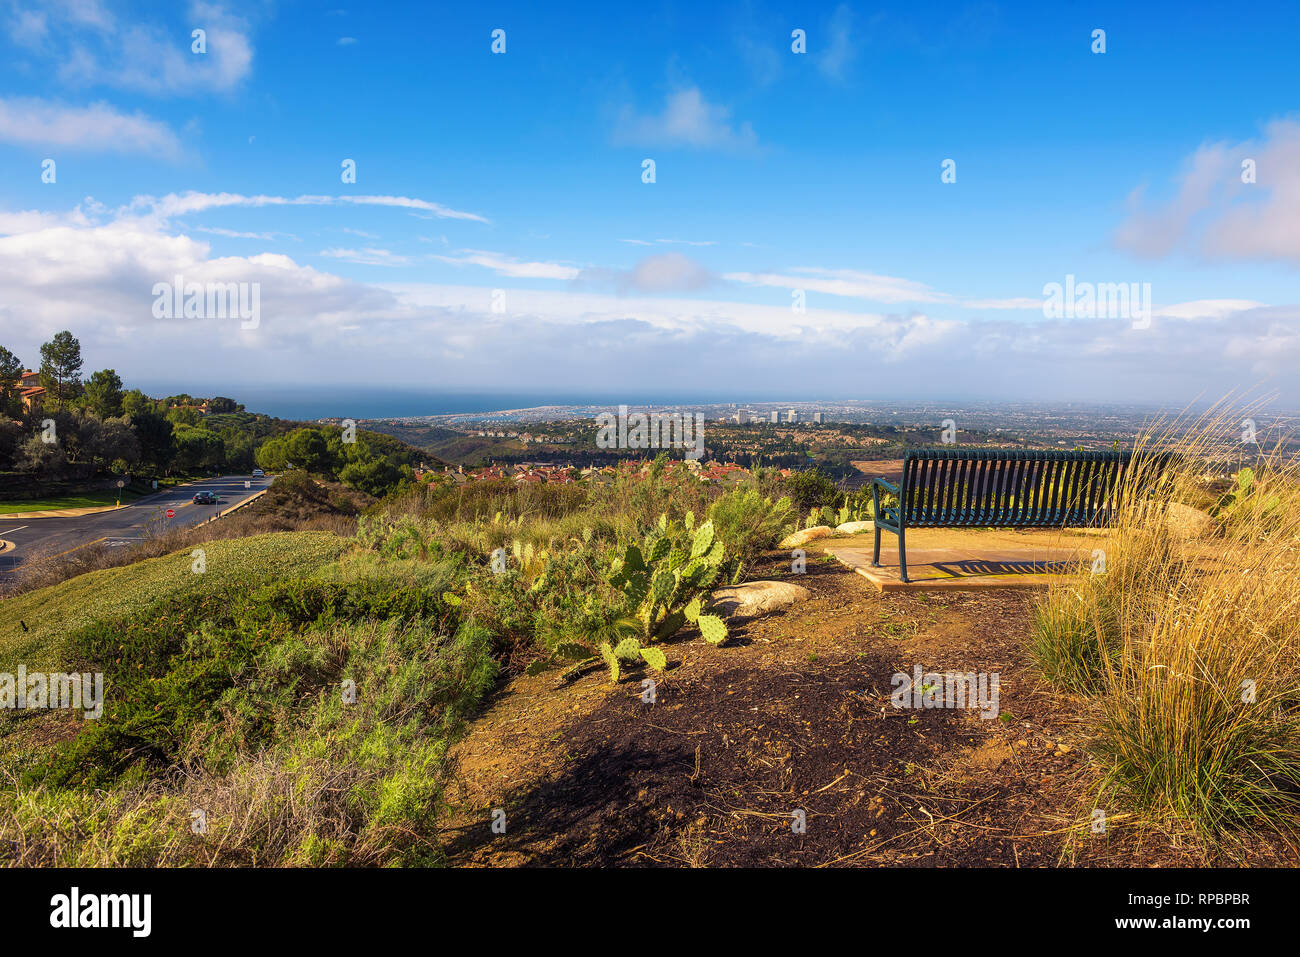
point(171, 513)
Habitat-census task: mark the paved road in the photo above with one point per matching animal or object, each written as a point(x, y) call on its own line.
point(124, 526)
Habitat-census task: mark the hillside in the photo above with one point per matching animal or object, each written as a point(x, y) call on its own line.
point(564, 655)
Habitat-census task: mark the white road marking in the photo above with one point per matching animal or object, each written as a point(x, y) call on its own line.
point(18, 529)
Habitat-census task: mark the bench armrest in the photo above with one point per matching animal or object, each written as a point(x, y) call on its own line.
point(881, 483)
point(879, 514)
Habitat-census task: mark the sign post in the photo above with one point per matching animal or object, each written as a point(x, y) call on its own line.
point(120, 483)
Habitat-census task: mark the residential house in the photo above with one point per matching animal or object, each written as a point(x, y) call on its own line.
point(31, 391)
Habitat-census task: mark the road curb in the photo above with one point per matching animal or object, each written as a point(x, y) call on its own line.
point(238, 505)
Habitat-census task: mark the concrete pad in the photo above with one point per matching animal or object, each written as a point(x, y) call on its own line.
point(968, 559)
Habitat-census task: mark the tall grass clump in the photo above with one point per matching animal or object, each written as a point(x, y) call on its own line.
point(1189, 636)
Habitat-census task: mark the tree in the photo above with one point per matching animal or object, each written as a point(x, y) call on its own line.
point(180, 416)
point(10, 371)
point(272, 455)
point(375, 476)
point(12, 437)
point(104, 394)
point(220, 405)
point(812, 489)
point(60, 363)
point(198, 449)
point(308, 449)
point(154, 434)
point(239, 451)
point(42, 457)
point(134, 401)
point(108, 442)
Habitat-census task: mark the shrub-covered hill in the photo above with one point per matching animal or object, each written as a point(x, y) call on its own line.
point(298, 706)
point(51, 614)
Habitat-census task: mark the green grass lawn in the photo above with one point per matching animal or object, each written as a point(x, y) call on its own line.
point(80, 500)
point(51, 613)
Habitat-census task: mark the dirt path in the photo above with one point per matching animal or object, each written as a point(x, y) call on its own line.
point(794, 715)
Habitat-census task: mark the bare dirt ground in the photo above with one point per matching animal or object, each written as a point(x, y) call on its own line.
point(794, 714)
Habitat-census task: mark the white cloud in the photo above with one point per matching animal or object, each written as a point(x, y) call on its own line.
point(670, 242)
point(346, 41)
point(1215, 215)
point(28, 27)
point(839, 51)
point(370, 256)
point(504, 265)
point(1213, 309)
point(33, 220)
point(687, 120)
point(173, 204)
point(239, 234)
point(89, 46)
point(93, 270)
point(844, 282)
point(99, 127)
point(657, 274)
point(669, 272)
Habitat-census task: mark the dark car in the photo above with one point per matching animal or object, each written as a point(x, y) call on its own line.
point(205, 498)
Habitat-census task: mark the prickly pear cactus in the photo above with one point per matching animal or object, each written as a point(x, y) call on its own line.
point(668, 576)
point(629, 651)
point(713, 628)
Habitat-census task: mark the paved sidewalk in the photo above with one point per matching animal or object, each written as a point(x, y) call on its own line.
point(61, 512)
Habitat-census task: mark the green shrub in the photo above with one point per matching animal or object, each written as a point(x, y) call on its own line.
point(747, 524)
point(812, 489)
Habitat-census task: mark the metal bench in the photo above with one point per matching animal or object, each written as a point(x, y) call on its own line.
point(999, 488)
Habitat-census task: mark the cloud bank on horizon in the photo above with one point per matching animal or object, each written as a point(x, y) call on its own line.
point(489, 223)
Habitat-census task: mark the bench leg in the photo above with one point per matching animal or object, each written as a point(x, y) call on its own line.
point(902, 553)
point(875, 558)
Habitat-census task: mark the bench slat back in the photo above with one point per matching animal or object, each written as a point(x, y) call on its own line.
point(1010, 487)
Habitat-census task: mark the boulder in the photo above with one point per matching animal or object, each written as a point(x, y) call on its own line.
point(852, 528)
point(1186, 522)
point(806, 535)
point(757, 598)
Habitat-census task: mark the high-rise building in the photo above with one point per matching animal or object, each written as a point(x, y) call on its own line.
point(776, 416)
point(792, 416)
point(817, 417)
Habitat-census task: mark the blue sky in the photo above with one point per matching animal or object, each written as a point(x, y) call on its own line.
point(775, 171)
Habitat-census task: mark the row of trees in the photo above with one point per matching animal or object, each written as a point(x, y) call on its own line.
point(83, 427)
point(97, 424)
point(369, 461)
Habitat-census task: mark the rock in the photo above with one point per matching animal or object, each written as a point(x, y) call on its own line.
point(852, 528)
point(1186, 522)
point(757, 598)
point(806, 535)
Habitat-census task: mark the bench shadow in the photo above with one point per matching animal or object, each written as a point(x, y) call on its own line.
point(973, 567)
